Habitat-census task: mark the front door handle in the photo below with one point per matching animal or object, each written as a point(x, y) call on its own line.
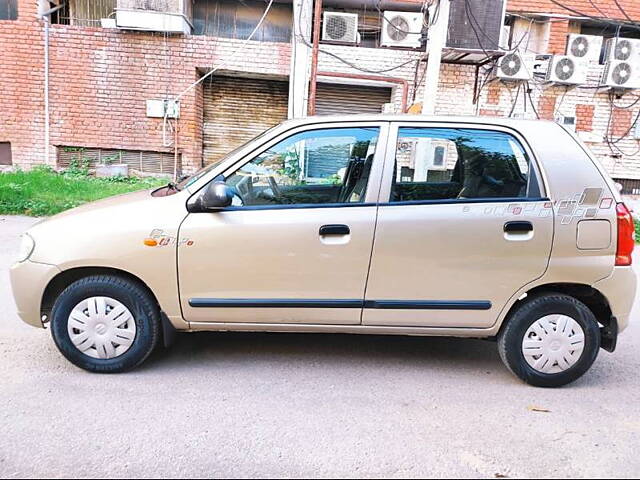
point(334, 230)
point(518, 227)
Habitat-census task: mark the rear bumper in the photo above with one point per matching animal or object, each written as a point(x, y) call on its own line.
point(28, 282)
point(619, 288)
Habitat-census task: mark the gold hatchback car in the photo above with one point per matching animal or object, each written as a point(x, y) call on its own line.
point(398, 225)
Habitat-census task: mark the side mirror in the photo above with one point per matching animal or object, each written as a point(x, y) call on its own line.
point(218, 195)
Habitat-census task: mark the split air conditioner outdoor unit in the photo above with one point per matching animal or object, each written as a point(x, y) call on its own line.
point(340, 27)
point(567, 70)
point(170, 16)
point(584, 47)
point(515, 66)
point(621, 75)
point(402, 29)
point(623, 49)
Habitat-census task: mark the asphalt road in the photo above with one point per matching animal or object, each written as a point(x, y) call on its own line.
point(285, 405)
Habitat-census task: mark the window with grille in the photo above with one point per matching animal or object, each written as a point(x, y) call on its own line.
point(8, 9)
point(630, 186)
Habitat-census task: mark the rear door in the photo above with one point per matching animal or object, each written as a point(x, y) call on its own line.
point(463, 224)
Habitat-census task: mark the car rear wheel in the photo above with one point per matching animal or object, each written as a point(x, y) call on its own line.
point(550, 340)
point(105, 324)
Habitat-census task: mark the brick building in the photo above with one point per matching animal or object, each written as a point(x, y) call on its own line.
point(75, 87)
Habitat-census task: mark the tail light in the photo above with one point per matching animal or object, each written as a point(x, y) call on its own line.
point(626, 235)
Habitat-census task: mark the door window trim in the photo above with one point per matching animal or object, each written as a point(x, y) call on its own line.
point(536, 174)
point(375, 175)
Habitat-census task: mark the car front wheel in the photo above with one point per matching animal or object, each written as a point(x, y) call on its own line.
point(105, 323)
point(550, 340)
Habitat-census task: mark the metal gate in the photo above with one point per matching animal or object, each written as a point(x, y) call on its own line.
point(338, 99)
point(238, 109)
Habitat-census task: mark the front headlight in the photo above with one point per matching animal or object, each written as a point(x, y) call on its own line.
point(27, 244)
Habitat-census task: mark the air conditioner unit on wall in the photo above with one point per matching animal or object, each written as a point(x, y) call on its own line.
point(515, 66)
point(171, 16)
point(584, 47)
point(567, 70)
point(340, 27)
point(623, 49)
point(402, 29)
point(621, 75)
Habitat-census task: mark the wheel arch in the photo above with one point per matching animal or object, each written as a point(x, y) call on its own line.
point(65, 278)
point(591, 297)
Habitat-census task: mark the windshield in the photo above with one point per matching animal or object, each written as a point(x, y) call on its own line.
point(202, 172)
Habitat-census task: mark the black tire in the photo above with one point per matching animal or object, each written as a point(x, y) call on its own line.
point(139, 302)
point(512, 335)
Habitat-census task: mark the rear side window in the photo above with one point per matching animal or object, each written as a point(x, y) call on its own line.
point(453, 163)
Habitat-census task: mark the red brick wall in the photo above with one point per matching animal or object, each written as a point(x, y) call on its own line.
point(558, 37)
point(100, 81)
point(547, 107)
point(21, 85)
point(584, 117)
point(599, 8)
point(621, 122)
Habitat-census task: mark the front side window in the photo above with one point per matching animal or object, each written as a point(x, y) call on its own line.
point(458, 163)
point(314, 167)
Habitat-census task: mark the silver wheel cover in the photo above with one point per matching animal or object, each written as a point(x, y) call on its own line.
point(101, 327)
point(553, 344)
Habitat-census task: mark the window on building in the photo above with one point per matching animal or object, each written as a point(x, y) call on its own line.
point(8, 9)
point(607, 30)
point(446, 164)
point(233, 19)
point(84, 13)
point(630, 186)
point(319, 166)
point(5, 154)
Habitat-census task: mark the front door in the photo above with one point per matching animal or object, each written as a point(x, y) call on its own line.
point(462, 226)
point(295, 246)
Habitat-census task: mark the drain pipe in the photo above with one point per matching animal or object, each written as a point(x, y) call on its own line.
point(46, 89)
point(317, 15)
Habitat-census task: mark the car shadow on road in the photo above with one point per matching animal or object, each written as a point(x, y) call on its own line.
point(210, 348)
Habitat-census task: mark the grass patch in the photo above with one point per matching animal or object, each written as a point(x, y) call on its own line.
point(43, 192)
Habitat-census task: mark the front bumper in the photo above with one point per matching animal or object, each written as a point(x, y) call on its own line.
point(28, 282)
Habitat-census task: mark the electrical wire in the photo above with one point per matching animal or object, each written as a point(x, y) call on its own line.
point(347, 62)
point(633, 25)
point(535, 110)
point(622, 10)
point(232, 56)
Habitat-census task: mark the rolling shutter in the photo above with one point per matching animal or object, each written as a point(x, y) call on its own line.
point(237, 110)
point(337, 99)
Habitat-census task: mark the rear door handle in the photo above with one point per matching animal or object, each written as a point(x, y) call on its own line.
point(518, 227)
point(334, 230)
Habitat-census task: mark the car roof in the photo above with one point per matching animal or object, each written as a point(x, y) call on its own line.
point(471, 119)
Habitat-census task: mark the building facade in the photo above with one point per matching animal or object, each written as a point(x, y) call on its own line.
point(78, 87)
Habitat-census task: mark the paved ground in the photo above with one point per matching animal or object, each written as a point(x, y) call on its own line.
point(220, 405)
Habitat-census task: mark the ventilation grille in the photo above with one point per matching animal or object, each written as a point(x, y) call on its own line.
point(621, 74)
point(142, 161)
point(511, 65)
point(579, 47)
point(565, 69)
point(398, 28)
point(622, 50)
point(340, 27)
